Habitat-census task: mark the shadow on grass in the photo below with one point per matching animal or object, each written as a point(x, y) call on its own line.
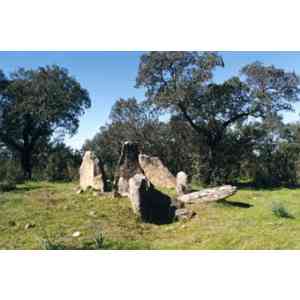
point(28, 188)
point(235, 204)
point(157, 207)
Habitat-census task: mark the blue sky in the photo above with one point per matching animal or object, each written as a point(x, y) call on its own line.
point(111, 75)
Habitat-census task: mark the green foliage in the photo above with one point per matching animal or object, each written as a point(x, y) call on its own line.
point(36, 103)
point(62, 163)
point(216, 132)
point(171, 141)
point(54, 162)
point(46, 244)
point(99, 241)
point(280, 211)
point(277, 167)
point(7, 185)
point(10, 168)
point(275, 157)
point(180, 83)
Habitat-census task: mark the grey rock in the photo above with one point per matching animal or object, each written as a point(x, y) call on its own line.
point(92, 213)
point(76, 234)
point(79, 191)
point(91, 173)
point(138, 187)
point(184, 214)
point(156, 172)
point(29, 225)
point(208, 195)
point(181, 183)
point(128, 167)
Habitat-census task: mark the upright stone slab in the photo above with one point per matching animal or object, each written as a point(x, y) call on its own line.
point(181, 183)
point(138, 187)
point(128, 167)
point(156, 172)
point(91, 173)
point(152, 205)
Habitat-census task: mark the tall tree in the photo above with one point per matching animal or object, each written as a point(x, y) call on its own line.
point(181, 83)
point(34, 104)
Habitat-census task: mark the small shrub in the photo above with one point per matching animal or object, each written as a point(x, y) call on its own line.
point(280, 211)
point(99, 241)
point(7, 185)
point(48, 245)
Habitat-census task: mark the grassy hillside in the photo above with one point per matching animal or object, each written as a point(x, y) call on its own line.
point(44, 215)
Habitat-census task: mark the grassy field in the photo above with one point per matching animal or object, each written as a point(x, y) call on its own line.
point(42, 215)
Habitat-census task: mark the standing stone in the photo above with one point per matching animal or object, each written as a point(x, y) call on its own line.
point(138, 187)
point(156, 172)
point(91, 173)
point(128, 166)
point(181, 183)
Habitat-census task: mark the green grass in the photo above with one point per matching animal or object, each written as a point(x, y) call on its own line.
point(246, 221)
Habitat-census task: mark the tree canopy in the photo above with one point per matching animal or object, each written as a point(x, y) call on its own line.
point(181, 83)
point(34, 104)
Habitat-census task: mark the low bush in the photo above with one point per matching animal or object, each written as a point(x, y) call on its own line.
point(7, 185)
point(280, 211)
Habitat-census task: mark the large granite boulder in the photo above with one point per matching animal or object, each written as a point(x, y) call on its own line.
point(181, 183)
point(208, 195)
point(128, 166)
point(92, 173)
point(156, 172)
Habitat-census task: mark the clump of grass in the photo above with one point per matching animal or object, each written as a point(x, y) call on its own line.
point(46, 244)
point(280, 211)
point(99, 241)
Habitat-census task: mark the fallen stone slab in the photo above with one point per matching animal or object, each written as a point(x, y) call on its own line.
point(208, 195)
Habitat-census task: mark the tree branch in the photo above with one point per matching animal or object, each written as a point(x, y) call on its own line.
point(188, 118)
point(235, 118)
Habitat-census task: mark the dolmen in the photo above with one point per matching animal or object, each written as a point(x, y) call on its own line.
point(137, 177)
point(147, 202)
point(92, 173)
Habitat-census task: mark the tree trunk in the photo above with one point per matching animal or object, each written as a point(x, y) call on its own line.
point(26, 162)
point(210, 168)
